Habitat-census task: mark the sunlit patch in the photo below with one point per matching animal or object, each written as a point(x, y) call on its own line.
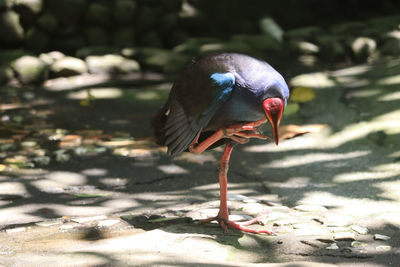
point(365, 175)
point(120, 203)
point(94, 172)
point(68, 178)
point(146, 95)
point(172, 169)
point(292, 183)
point(113, 182)
point(390, 97)
point(364, 93)
point(352, 71)
point(312, 158)
point(391, 80)
point(313, 80)
point(97, 93)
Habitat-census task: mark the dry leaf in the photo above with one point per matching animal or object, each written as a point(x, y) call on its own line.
point(291, 130)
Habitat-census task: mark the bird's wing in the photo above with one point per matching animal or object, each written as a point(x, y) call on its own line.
point(192, 106)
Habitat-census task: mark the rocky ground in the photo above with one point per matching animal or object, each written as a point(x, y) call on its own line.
point(82, 184)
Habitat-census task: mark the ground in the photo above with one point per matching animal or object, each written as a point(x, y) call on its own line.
point(82, 183)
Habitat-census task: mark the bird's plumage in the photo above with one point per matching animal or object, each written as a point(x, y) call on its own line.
point(215, 92)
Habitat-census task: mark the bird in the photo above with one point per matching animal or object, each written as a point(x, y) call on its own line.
point(222, 99)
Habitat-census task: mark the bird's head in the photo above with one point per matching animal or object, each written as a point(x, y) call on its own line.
point(274, 102)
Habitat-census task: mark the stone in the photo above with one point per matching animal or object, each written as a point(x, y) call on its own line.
point(359, 229)
point(240, 217)
point(381, 237)
point(111, 64)
point(253, 208)
point(5, 75)
point(285, 222)
point(11, 30)
point(337, 229)
point(96, 36)
point(332, 246)
point(236, 197)
point(48, 223)
point(30, 70)
point(108, 223)
point(16, 230)
point(68, 66)
point(363, 48)
point(383, 248)
point(337, 220)
point(344, 236)
point(310, 208)
point(358, 244)
point(98, 14)
point(124, 11)
point(303, 47)
point(48, 22)
point(51, 57)
point(89, 219)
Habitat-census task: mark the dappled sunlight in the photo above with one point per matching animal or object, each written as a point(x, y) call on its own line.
point(96, 93)
point(364, 175)
point(318, 80)
point(312, 158)
point(391, 80)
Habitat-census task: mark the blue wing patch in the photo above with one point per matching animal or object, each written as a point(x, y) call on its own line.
point(225, 81)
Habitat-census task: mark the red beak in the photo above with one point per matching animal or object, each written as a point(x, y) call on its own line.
point(273, 108)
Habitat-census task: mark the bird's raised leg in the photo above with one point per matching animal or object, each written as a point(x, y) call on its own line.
point(223, 214)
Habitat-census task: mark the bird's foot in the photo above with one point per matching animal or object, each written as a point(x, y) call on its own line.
point(226, 223)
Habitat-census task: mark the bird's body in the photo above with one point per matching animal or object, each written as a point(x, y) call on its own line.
point(220, 99)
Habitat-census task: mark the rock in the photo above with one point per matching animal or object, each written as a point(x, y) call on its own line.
point(358, 244)
point(391, 43)
point(162, 60)
point(89, 219)
point(48, 223)
point(383, 248)
point(124, 11)
point(96, 36)
point(381, 237)
point(337, 229)
point(240, 217)
point(332, 246)
point(285, 222)
point(303, 47)
point(337, 220)
point(11, 31)
point(270, 28)
point(15, 230)
point(107, 223)
point(98, 14)
point(363, 48)
point(236, 197)
point(68, 12)
point(123, 37)
point(254, 208)
point(68, 66)
point(51, 57)
point(310, 208)
point(30, 70)
point(344, 236)
point(48, 22)
point(359, 229)
point(111, 64)
point(37, 40)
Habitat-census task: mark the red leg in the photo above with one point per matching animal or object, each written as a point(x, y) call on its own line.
point(223, 214)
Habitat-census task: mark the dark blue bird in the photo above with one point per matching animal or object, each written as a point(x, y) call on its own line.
point(221, 99)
